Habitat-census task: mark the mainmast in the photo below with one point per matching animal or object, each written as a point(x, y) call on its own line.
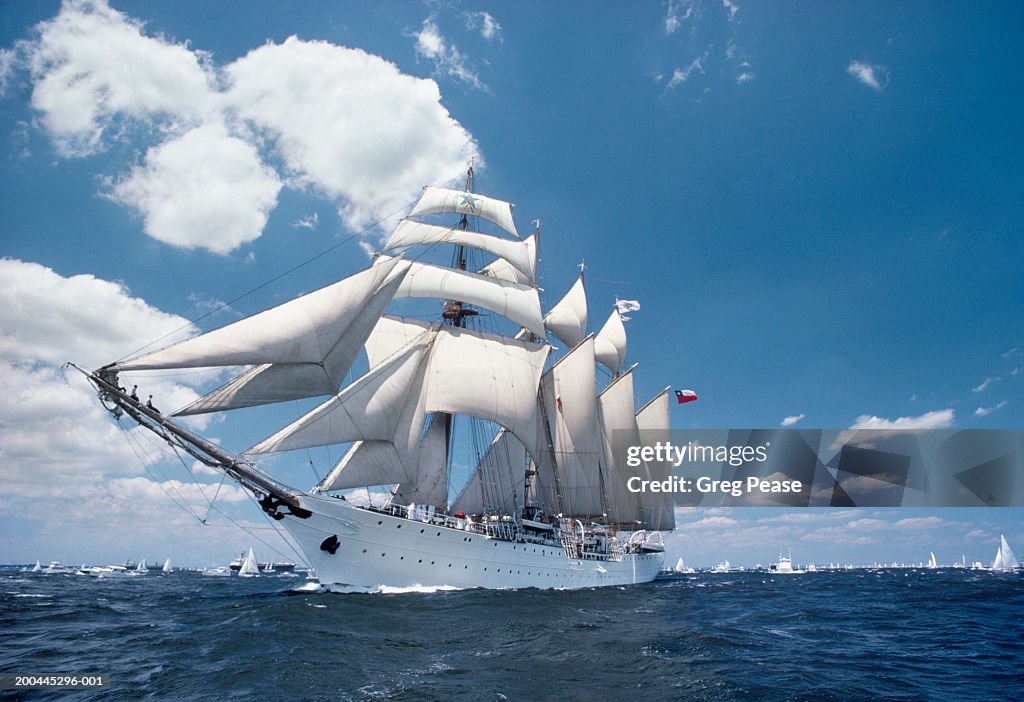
point(455, 311)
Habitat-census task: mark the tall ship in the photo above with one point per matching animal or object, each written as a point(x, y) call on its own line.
point(544, 501)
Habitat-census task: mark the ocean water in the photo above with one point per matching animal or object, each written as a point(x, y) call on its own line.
point(851, 635)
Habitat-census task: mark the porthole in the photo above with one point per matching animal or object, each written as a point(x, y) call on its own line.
point(422, 530)
point(398, 526)
point(380, 522)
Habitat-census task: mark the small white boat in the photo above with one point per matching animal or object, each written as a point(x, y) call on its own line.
point(723, 567)
point(167, 566)
point(932, 563)
point(56, 568)
point(218, 572)
point(785, 566)
point(249, 567)
point(37, 568)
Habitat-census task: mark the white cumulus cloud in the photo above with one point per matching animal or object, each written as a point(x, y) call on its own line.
point(91, 64)
point(485, 23)
point(350, 124)
point(681, 75)
point(874, 76)
point(921, 523)
point(52, 429)
point(985, 385)
point(345, 123)
point(678, 12)
point(985, 411)
point(792, 419)
point(446, 57)
point(938, 419)
point(205, 189)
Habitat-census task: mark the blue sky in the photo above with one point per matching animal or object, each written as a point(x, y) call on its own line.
point(816, 204)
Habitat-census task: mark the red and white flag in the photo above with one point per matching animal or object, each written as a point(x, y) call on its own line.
point(683, 396)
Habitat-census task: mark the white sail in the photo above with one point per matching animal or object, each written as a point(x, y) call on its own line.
point(932, 563)
point(486, 376)
point(680, 566)
point(467, 372)
point(279, 382)
point(568, 319)
point(304, 330)
point(366, 463)
point(369, 408)
point(1004, 560)
point(568, 389)
point(430, 485)
point(652, 420)
point(392, 334)
point(503, 270)
point(1009, 560)
point(618, 430)
point(167, 566)
point(520, 303)
point(249, 567)
point(37, 568)
point(440, 200)
point(497, 485)
point(610, 344)
point(520, 254)
point(141, 567)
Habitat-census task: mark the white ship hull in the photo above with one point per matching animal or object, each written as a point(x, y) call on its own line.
point(376, 549)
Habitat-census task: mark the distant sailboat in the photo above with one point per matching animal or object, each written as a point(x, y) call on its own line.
point(249, 567)
point(932, 563)
point(1005, 560)
point(167, 566)
point(37, 568)
point(681, 567)
point(141, 568)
